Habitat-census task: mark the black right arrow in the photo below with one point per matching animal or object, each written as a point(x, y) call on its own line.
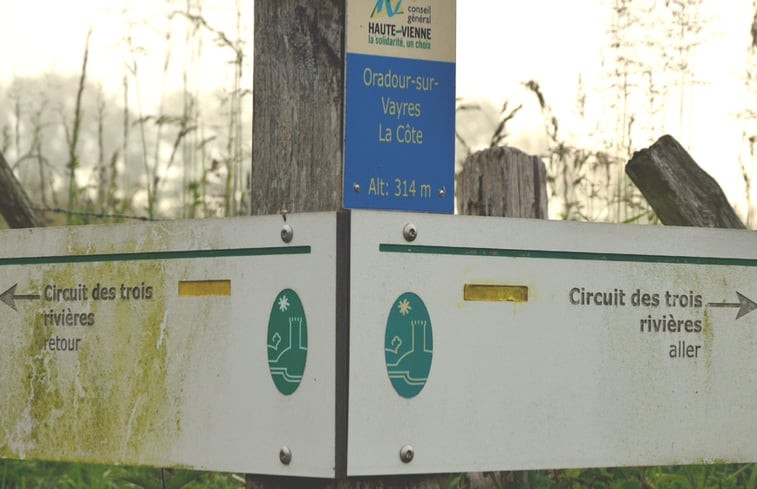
point(745, 305)
point(10, 297)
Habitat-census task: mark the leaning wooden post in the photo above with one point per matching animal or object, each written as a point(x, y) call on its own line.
point(680, 192)
point(15, 207)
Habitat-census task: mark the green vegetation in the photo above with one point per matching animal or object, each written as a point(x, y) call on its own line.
point(86, 155)
point(718, 476)
point(648, 87)
point(43, 475)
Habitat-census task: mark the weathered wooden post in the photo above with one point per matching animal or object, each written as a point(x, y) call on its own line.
point(503, 182)
point(680, 192)
point(389, 75)
point(356, 114)
point(297, 125)
point(298, 105)
point(16, 207)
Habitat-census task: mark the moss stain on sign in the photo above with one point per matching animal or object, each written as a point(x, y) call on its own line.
point(110, 399)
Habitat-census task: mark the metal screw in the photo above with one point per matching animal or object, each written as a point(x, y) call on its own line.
point(409, 232)
point(442, 192)
point(287, 233)
point(285, 455)
point(406, 454)
point(356, 187)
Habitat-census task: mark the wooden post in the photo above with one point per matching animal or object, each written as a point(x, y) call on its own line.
point(680, 192)
point(298, 106)
point(503, 182)
point(15, 206)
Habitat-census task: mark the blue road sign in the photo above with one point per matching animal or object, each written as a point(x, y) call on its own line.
point(400, 106)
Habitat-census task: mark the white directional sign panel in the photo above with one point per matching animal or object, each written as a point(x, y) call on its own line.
point(488, 344)
point(204, 344)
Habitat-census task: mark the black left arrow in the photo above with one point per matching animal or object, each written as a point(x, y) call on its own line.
point(10, 297)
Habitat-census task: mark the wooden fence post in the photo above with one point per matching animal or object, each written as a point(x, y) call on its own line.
point(680, 192)
point(503, 182)
point(15, 207)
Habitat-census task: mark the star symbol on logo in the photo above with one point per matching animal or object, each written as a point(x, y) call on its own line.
point(404, 307)
point(283, 303)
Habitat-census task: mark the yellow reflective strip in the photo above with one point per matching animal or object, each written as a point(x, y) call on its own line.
point(495, 293)
point(204, 288)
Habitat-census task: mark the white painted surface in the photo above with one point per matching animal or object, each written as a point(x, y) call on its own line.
point(540, 384)
point(216, 406)
point(546, 383)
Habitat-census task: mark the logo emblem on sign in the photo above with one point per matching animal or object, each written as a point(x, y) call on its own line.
point(408, 345)
point(287, 341)
point(386, 6)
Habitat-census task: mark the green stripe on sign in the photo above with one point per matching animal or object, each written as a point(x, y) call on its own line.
point(565, 255)
point(157, 255)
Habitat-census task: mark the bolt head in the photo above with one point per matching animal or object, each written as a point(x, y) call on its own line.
point(356, 187)
point(442, 192)
point(407, 453)
point(287, 233)
point(410, 232)
point(285, 455)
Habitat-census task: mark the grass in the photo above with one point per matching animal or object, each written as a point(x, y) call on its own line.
point(16, 474)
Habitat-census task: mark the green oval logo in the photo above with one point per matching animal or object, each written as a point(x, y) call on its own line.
point(287, 341)
point(408, 345)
